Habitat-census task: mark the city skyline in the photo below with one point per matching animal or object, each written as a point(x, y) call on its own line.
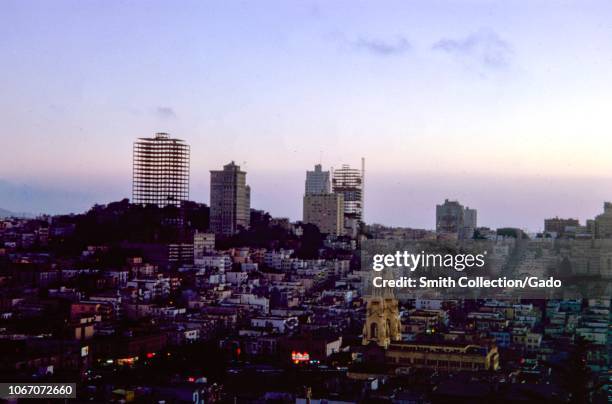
point(481, 102)
point(423, 206)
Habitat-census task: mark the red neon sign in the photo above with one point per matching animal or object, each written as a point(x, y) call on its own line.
point(298, 357)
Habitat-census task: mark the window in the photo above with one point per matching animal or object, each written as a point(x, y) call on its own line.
point(373, 330)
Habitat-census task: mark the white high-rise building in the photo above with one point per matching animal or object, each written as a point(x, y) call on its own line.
point(317, 181)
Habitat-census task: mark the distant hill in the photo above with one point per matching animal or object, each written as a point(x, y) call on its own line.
point(5, 213)
point(8, 213)
point(18, 197)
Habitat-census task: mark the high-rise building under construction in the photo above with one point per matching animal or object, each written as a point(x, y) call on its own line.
point(160, 173)
point(350, 183)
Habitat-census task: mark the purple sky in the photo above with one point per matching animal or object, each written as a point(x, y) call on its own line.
point(504, 105)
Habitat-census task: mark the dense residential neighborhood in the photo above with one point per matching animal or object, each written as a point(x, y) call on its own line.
point(142, 303)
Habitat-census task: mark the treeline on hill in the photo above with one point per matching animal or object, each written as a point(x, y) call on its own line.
point(122, 221)
point(263, 234)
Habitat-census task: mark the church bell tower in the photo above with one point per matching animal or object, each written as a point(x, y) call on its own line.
point(382, 324)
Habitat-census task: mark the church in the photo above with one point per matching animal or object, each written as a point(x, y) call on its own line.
point(452, 351)
point(382, 325)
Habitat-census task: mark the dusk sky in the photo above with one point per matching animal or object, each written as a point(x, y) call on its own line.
point(504, 105)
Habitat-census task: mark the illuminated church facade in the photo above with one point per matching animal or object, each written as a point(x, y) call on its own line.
point(382, 325)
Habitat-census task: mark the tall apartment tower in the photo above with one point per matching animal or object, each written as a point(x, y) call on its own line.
point(326, 211)
point(322, 207)
point(350, 183)
point(452, 217)
point(230, 200)
point(602, 225)
point(317, 181)
point(160, 171)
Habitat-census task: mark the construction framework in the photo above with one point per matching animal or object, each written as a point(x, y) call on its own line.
point(160, 173)
point(350, 182)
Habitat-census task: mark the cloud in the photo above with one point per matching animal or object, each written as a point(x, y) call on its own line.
point(165, 112)
point(484, 47)
point(382, 47)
